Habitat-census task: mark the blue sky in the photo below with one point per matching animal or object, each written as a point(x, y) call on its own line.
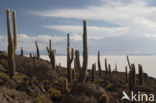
point(115, 27)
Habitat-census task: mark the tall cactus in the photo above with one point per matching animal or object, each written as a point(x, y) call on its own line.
point(110, 71)
point(140, 74)
point(132, 77)
point(85, 54)
point(93, 71)
point(22, 52)
point(70, 57)
point(126, 74)
point(51, 54)
point(106, 67)
point(30, 55)
point(14, 29)
point(99, 65)
point(12, 43)
point(129, 64)
point(37, 50)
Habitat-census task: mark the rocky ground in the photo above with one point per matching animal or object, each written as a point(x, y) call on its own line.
point(36, 82)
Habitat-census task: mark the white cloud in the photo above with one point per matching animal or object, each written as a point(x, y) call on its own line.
point(94, 32)
point(136, 15)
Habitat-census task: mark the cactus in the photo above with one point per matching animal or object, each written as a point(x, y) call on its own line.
point(12, 44)
point(126, 74)
point(22, 52)
point(116, 67)
point(84, 73)
point(106, 66)
point(65, 86)
point(132, 77)
point(38, 51)
point(14, 29)
point(73, 74)
point(30, 55)
point(99, 65)
point(77, 65)
point(140, 74)
point(129, 64)
point(51, 54)
point(110, 71)
point(70, 58)
point(93, 71)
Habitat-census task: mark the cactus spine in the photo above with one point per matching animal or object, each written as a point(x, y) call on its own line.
point(140, 74)
point(70, 57)
point(51, 54)
point(132, 77)
point(22, 52)
point(85, 53)
point(38, 51)
point(106, 65)
point(93, 72)
point(99, 65)
point(12, 43)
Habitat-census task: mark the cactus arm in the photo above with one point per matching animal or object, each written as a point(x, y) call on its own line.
point(14, 30)
point(72, 56)
point(129, 64)
point(99, 64)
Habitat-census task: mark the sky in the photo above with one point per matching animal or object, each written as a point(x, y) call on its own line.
point(115, 27)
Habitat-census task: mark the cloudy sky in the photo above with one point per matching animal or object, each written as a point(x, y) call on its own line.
point(115, 27)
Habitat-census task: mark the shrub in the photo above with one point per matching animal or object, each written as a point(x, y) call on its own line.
point(43, 99)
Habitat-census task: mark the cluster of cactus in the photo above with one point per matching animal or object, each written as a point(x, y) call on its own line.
point(12, 43)
point(93, 71)
point(140, 74)
point(99, 65)
point(51, 54)
point(37, 50)
point(70, 57)
point(22, 51)
point(132, 77)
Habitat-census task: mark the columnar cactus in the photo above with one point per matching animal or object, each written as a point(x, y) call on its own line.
point(140, 74)
point(22, 52)
point(14, 29)
point(38, 51)
point(106, 67)
point(77, 65)
point(51, 54)
point(70, 57)
point(30, 55)
point(93, 71)
point(12, 43)
point(73, 74)
point(126, 74)
point(110, 71)
point(84, 73)
point(116, 67)
point(129, 64)
point(65, 86)
point(132, 77)
point(99, 65)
